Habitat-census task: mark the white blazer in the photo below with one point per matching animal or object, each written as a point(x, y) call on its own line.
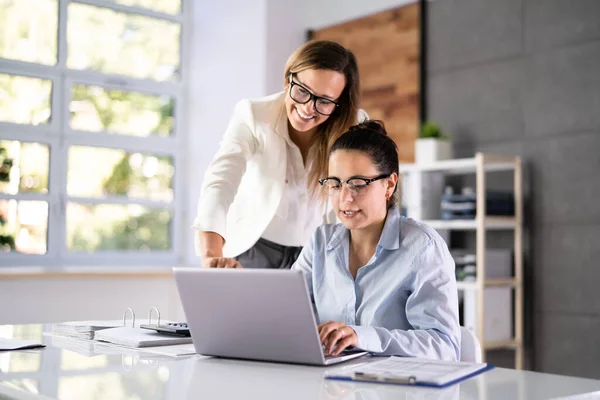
point(244, 184)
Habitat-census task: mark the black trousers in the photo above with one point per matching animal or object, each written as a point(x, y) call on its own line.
point(267, 254)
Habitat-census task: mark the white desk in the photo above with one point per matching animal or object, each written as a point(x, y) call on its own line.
point(56, 372)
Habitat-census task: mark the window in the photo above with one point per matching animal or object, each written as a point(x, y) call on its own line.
point(91, 117)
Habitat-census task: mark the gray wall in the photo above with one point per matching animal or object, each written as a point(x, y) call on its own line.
point(522, 77)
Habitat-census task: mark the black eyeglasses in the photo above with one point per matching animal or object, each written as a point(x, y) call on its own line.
point(357, 186)
point(302, 95)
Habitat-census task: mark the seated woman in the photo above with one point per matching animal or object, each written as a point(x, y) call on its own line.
point(384, 283)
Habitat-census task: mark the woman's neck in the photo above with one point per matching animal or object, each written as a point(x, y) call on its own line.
point(301, 139)
point(364, 241)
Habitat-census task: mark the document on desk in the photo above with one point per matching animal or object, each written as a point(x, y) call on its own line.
point(84, 329)
point(84, 347)
point(91, 348)
point(174, 350)
point(138, 337)
point(410, 371)
point(15, 344)
point(177, 350)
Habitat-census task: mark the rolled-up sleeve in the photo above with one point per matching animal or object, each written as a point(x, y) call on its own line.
point(223, 176)
point(431, 310)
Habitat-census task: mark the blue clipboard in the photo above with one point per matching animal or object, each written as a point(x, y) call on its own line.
point(408, 380)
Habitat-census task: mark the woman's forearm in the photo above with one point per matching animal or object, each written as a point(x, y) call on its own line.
point(209, 244)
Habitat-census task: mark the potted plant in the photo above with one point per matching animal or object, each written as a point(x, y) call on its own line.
point(432, 145)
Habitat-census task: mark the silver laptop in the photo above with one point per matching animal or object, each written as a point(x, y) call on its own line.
point(255, 314)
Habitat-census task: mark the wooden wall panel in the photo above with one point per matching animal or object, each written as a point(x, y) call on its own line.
point(387, 48)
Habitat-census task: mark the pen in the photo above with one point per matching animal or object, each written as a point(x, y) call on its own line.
point(367, 377)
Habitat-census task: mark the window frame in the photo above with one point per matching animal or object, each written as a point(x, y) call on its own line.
point(59, 136)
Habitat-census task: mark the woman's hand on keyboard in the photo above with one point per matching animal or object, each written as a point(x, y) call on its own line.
point(336, 336)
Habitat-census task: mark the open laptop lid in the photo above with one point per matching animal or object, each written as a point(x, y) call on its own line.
point(252, 314)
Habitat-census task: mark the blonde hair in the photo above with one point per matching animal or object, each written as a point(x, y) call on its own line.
point(324, 54)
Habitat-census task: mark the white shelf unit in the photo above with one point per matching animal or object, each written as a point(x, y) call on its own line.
point(479, 165)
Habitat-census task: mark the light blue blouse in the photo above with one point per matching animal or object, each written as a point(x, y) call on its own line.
point(403, 302)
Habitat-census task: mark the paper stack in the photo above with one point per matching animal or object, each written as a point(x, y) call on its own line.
point(84, 329)
point(137, 337)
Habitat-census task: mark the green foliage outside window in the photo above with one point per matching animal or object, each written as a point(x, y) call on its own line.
point(7, 241)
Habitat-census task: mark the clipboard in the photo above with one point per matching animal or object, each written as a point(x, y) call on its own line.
point(411, 371)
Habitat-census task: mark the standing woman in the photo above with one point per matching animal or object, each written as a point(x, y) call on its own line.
point(260, 202)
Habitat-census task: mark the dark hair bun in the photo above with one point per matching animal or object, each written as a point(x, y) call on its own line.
point(370, 125)
point(370, 138)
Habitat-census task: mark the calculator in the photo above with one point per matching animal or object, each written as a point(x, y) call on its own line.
point(171, 328)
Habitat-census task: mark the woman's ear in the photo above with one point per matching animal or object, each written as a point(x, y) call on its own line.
point(392, 180)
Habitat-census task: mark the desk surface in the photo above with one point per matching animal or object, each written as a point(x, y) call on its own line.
point(76, 372)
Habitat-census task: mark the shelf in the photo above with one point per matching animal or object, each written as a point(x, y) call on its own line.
point(501, 282)
point(492, 223)
point(471, 285)
point(502, 344)
point(459, 166)
point(475, 293)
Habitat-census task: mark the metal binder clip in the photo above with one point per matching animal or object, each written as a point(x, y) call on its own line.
point(157, 316)
point(374, 377)
point(409, 380)
point(132, 317)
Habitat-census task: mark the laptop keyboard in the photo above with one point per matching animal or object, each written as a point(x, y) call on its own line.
point(346, 352)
